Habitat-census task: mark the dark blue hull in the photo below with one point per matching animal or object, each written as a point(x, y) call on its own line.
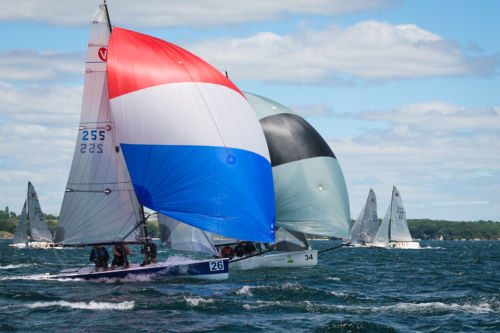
point(213, 269)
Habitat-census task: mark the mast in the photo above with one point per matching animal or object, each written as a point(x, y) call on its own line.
point(107, 16)
point(28, 227)
point(390, 217)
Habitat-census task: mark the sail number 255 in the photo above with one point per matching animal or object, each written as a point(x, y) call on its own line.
point(93, 146)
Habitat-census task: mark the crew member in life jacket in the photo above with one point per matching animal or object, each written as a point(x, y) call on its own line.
point(149, 250)
point(227, 252)
point(121, 251)
point(100, 256)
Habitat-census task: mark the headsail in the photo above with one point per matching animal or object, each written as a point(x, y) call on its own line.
point(176, 235)
point(399, 225)
point(192, 144)
point(38, 227)
point(382, 236)
point(21, 234)
point(366, 225)
point(99, 204)
point(310, 190)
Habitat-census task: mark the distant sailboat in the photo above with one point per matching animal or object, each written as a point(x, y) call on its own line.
point(365, 228)
point(32, 230)
point(394, 232)
point(162, 128)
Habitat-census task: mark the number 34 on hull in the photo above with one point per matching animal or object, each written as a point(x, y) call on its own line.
point(282, 259)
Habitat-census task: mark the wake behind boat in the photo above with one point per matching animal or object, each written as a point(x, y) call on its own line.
point(163, 129)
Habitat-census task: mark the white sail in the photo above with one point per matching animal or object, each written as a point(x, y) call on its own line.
point(176, 235)
point(356, 236)
point(21, 234)
point(382, 237)
point(99, 205)
point(399, 225)
point(38, 227)
point(366, 225)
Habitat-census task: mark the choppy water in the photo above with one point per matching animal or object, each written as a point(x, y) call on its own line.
point(447, 286)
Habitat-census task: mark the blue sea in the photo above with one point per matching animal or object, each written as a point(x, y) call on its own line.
point(445, 287)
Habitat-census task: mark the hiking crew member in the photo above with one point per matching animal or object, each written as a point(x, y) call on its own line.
point(121, 252)
point(149, 250)
point(100, 256)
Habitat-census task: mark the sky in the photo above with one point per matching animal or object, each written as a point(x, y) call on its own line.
point(406, 93)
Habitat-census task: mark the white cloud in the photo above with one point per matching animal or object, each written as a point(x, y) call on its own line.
point(160, 13)
point(53, 105)
point(367, 50)
point(430, 158)
point(46, 65)
point(38, 127)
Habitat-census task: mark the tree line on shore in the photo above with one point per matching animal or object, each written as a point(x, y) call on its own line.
point(419, 228)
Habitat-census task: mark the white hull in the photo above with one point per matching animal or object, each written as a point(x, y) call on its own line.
point(35, 245)
point(404, 245)
point(283, 259)
point(360, 245)
point(398, 245)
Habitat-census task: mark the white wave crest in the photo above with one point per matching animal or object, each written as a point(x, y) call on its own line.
point(195, 301)
point(16, 266)
point(483, 307)
point(92, 305)
point(245, 290)
point(331, 278)
point(36, 277)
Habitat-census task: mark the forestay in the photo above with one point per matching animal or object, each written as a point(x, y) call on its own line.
point(310, 190)
point(99, 205)
point(192, 143)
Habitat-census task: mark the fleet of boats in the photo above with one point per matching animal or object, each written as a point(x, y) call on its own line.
point(233, 175)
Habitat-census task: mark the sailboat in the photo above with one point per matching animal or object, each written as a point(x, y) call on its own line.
point(32, 230)
point(161, 128)
point(310, 191)
point(309, 187)
point(366, 226)
point(394, 232)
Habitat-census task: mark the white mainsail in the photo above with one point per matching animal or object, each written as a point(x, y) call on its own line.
point(399, 224)
point(99, 205)
point(394, 227)
point(382, 236)
point(38, 227)
point(366, 225)
point(21, 234)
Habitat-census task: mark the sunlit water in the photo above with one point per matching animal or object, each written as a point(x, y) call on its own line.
point(446, 286)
